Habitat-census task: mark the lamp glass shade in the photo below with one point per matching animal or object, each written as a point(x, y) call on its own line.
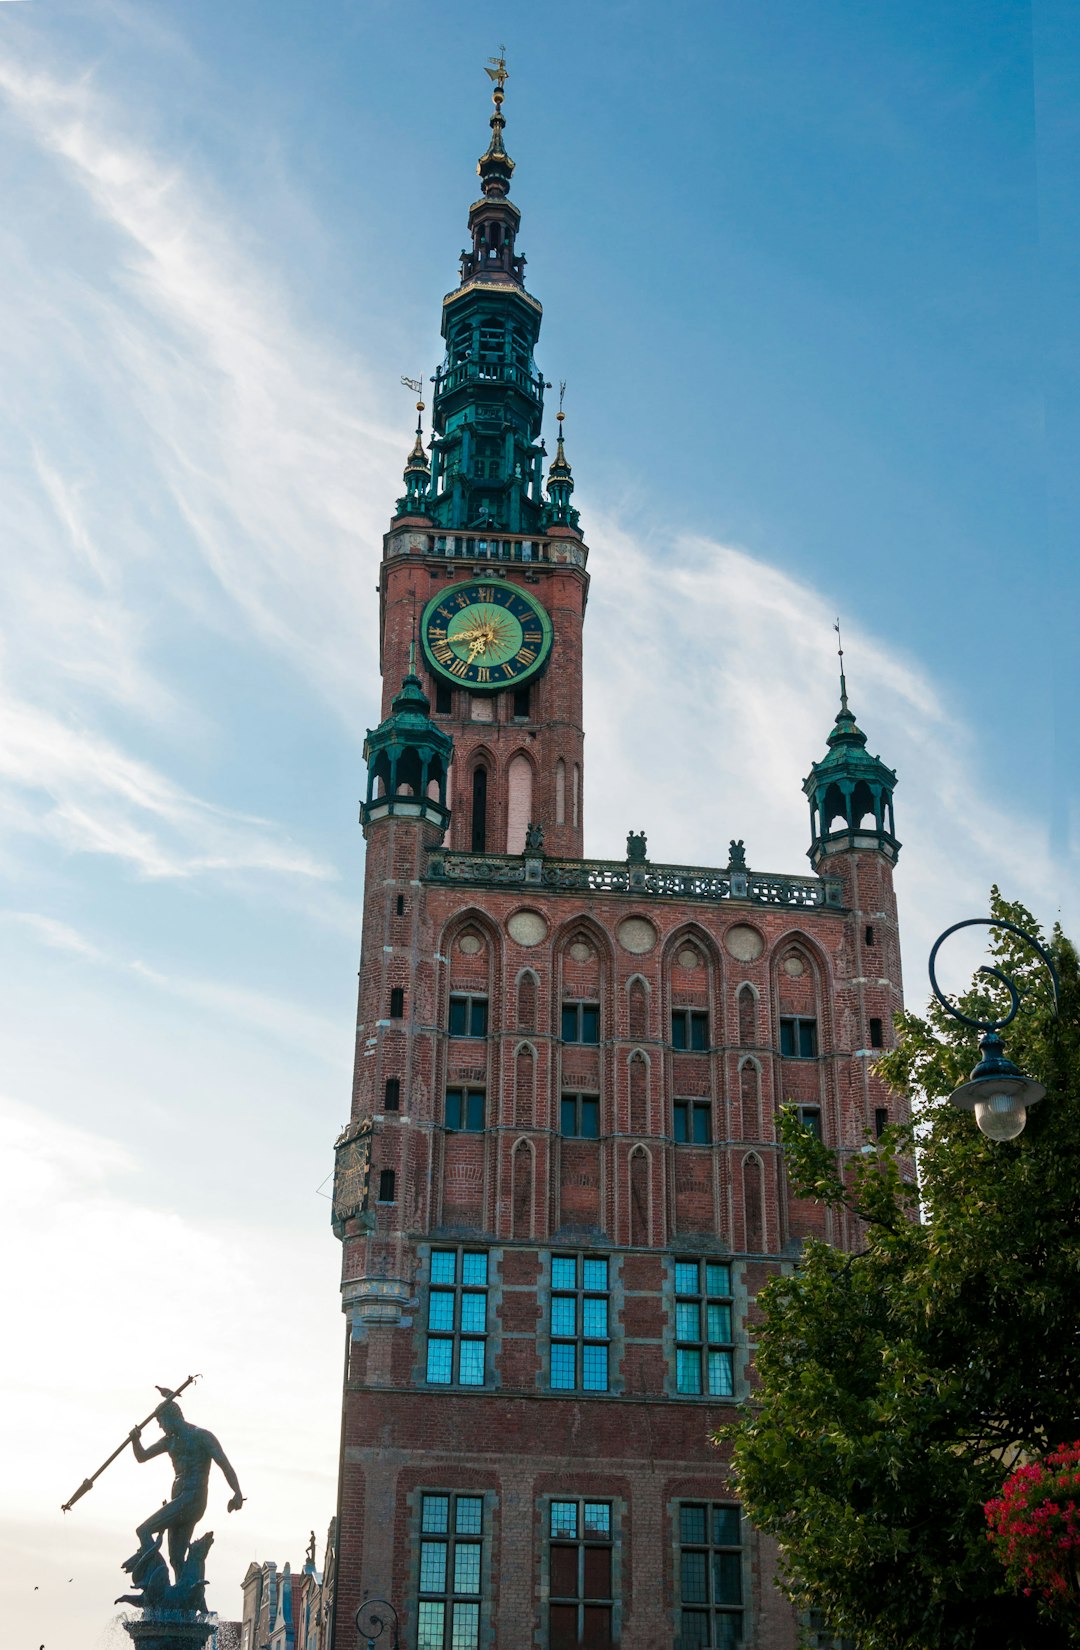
point(1000, 1116)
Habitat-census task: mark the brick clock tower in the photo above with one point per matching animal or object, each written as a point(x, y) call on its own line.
point(561, 1188)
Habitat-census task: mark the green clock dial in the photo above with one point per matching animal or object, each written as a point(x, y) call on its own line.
point(485, 636)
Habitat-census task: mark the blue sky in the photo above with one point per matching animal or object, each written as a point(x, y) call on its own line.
point(807, 273)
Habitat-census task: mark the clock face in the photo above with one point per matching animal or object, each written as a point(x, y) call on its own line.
point(485, 636)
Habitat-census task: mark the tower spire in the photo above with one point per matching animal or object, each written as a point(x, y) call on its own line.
point(417, 500)
point(560, 481)
point(840, 652)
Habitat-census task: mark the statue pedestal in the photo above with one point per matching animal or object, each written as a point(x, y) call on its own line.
point(169, 1630)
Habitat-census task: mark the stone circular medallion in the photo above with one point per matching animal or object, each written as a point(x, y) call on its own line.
point(470, 944)
point(744, 942)
point(636, 934)
point(581, 951)
point(793, 965)
point(527, 928)
point(688, 957)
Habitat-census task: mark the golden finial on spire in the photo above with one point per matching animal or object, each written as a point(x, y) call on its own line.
point(560, 415)
point(499, 73)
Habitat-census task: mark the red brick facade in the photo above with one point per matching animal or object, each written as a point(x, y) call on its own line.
point(678, 1162)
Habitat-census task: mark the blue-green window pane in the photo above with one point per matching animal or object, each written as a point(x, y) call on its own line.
point(474, 1268)
point(563, 1272)
point(594, 1368)
point(688, 1369)
point(471, 1363)
point(563, 1315)
point(564, 1518)
point(440, 1362)
point(443, 1265)
point(721, 1384)
point(435, 1514)
point(594, 1318)
point(679, 1118)
point(431, 1618)
point(727, 1578)
point(433, 1566)
point(687, 1321)
point(469, 1514)
point(465, 1632)
point(702, 1126)
point(455, 1108)
point(474, 1110)
point(595, 1275)
point(695, 1630)
point(562, 1367)
point(692, 1526)
point(686, 1277)
point(695, 1578)
point(719, 1323)
point(717, 1278)
point(570, 1023)
point(597, 1518)
point(726, 1531)
point(590, 1023)
point(473, 1313)
point(569, 1123)
point(728, 1632)
point(590, 1119)
point(441, 1309)
point(467, 1567)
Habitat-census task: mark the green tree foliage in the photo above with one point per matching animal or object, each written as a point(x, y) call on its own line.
point(900, 1385)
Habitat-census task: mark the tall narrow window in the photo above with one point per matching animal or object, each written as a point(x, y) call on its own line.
point(582, 1581)
point(703, 1337)
point(451, 1566)
point(468, 1015)
point(386, 1186)
point(392, 1096)
point(577, 794)
point(560, 792)
point(579, 1323)
point(689, 1029)
point(397, 1002)
point(521, 702)
point(869, 933)
point(881, 1120)
point(457, 1317)
point(798, 1038)
point(479, 810)
point(710, 1575)
point(810, 1118)
point(876, 1038)
point(519, 803)
point(444, 702)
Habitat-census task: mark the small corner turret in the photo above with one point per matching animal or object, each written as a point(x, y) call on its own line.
point(850, 792)
point(560, 482)
point(408, 757)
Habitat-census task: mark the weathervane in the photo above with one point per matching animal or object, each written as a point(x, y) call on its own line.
point(843, 680)
point(499, 73)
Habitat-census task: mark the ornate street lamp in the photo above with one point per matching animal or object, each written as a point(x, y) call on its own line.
point(370, 1625)
point(998, 1092)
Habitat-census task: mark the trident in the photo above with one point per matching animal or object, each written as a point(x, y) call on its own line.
point(88, 1483)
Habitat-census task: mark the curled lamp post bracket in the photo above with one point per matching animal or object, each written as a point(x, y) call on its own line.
point(994, 973)
point(370, 1625)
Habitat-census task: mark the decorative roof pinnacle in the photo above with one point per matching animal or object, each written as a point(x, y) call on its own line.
point(495, 165)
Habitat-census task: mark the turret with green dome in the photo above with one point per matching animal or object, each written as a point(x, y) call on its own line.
point(850, 792)
point(408, 756)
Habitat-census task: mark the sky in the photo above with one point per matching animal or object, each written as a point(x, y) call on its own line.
point(807, 273)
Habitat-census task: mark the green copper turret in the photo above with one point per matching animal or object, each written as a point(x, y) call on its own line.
point(487, 456)
point(850, 792)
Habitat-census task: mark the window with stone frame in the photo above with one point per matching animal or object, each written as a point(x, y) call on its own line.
point(581, 1022)
point(465, 1109)
point(468, 1014)
point(579, 1116)
point(690, 1029)
point(452, 1536)
point(692, 1122)
point(580, 1326)
point(810, 1118)
point(581, 1572)
point(457, 1318)
point(710, 1572)
point(798, 1037)
point(704, 1337)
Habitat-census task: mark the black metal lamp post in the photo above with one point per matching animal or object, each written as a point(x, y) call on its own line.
point(998, 1092)
point(370, 1625)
